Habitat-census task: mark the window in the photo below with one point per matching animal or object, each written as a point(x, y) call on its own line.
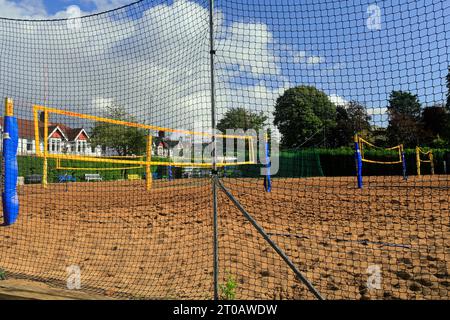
point(160, 151)
point(54, 145)
point(81, 146)
point(29, 145)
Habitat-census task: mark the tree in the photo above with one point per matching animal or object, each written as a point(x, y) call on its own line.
point(342, 131)
point(123, 139)
point(350, 120)
point(404, 119)
point(359, 118)
point(436, 122)
point(435, 119)
point(303, 114)
point(240, 118)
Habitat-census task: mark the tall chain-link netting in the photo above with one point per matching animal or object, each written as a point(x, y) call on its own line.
point(144, 64)
point(330, 167)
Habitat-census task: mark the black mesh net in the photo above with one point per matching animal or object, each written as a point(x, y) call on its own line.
point(335, 147)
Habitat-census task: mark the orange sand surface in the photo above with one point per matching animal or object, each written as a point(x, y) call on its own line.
point(158, 244)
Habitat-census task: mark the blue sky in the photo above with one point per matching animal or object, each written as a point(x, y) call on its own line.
point(329, 45)
point(53, 6)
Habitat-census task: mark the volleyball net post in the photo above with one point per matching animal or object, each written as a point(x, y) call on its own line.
point(402, 152)
point(10, 198)
point(148, 171)
point(430, 160)
point(418, 161)
point(45, 153)
point(267, 178)
point(358, 162)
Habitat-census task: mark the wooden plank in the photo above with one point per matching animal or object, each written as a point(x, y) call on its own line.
point(17, 289)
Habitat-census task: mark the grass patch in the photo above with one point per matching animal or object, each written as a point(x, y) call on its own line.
point(2, 274)
point(228, 290)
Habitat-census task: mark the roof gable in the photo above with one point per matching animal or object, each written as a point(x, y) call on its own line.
point(53, 129)
point(79, 134)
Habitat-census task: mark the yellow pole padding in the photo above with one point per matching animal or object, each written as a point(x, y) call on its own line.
point(431, 162)
point(45, 164)
point(36, 133)
point(252, 151)
point(148, 171)
point(9, 107)
point(418, 160)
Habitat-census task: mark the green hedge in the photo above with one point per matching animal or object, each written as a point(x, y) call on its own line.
point(292, 163)
point(341, 162)
point(33, 165)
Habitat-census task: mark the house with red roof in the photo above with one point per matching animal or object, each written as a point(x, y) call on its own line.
point(67, 140)
point(61, 139)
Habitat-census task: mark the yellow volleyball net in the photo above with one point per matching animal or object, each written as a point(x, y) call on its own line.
point(364, 144)
point(189, 149)
point(360, 156)
point(423, 156)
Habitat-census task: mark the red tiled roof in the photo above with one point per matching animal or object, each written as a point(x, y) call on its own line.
point(26, 129)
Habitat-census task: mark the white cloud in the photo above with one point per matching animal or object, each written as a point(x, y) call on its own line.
point(300, 57)
point(157, 65)
point(338, 100)
point(22, 9)
point(373, 111)
point(101, 103)
point(247, 45)
point(315, 60)
point(103, 5)
point(35, 9)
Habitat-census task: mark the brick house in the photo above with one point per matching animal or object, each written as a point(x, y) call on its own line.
point(61, 139)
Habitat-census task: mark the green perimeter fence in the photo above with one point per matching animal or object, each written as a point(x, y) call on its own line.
point(29, 165)
point(292, 164)
point(341, 162)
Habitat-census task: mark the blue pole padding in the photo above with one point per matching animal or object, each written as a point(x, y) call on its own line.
point(10, 170)
point(170, 173)
point(405, 177)
point(267, 180)
point(358, 161)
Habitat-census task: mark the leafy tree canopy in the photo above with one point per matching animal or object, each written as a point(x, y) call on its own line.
point(240, 118)
point(350, 119)
point(122, 139)
point(404, 119)
point(302, 114)
point(404, 103)
point(436, 123)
